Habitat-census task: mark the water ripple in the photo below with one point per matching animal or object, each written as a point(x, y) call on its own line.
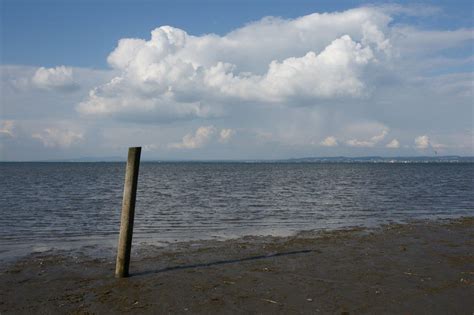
point(58, 201)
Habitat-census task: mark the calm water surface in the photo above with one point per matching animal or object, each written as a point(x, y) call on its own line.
point(75, 202)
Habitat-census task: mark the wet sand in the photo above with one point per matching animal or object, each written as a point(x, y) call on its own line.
point(417, 268)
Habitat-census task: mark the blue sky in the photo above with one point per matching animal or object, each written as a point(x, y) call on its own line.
point(63, 28)
point(392, 78)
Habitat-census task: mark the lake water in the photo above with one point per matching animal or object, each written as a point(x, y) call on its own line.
point(65, 204)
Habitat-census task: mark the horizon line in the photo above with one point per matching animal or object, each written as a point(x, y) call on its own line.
point(316, 158)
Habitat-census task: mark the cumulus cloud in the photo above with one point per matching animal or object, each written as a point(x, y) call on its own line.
point(394, 144)
point(329, 142)
point(54, 137)
point(6, 128)
point(58, 78)
point(193, 141)
point(289, 61)
point(422, 142)
point(368, 143)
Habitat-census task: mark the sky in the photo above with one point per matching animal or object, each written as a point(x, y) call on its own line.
point(213, 80)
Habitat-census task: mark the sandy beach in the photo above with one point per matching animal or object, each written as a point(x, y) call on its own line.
point(424, 267)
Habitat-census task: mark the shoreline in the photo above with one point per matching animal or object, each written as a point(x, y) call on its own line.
point(104, 246)
point(417, 267)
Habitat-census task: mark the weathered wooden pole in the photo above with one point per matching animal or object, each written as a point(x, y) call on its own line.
point(128, 213)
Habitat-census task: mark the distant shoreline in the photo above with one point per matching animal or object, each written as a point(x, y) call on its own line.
point(336, 159)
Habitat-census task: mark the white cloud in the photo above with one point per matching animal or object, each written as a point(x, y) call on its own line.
point(131, 107)
point(329, 142)
point(58, 78)
point(368, 143)
point(394, 144)
point(174, 75)
point(422, 142)
point(54, 137)
point(336, 71)
point(225, 135)
point(194, 141)
point(6, 128)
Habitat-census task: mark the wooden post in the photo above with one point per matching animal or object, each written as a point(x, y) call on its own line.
point(128, 213)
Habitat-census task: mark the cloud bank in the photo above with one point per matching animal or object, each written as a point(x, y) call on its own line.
point(58, 78)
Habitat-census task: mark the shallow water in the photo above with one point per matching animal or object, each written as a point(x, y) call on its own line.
point(66, 204)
